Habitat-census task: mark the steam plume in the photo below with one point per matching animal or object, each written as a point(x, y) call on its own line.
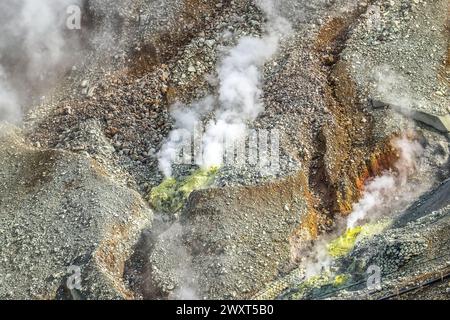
point(239, 97)
point(32, 45)
point(9, 107)
point(394, 89)
point(388, 187)
point(383, 195)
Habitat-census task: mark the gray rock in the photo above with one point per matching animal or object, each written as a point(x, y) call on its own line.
point(61, 210)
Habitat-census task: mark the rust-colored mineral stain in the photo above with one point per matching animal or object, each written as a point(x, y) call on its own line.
point(378, 163)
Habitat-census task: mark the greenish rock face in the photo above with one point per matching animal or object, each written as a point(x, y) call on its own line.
point(171, 195)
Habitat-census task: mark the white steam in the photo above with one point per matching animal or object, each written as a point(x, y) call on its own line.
point(318, 259)
point(32, 45)
point(239, 95)
point(238, 101)
point(384, 195)
point(186, 118)
point(394, 89)
point(373, 196)
point(389, 187)
point(9, 106)
point(171, 265)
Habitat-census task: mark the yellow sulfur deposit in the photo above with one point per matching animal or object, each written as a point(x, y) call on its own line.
point(345, 243)
point(171, 194)
point(320, 284)
point(342, 245)
point(340, 279)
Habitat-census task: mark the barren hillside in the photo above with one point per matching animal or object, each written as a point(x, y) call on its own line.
point(224, 149)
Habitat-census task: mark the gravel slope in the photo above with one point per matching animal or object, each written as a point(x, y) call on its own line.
point(57, 210)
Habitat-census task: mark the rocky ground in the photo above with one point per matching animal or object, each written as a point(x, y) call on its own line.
point(412, 251)
point(75, 177)
point(59, 210)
